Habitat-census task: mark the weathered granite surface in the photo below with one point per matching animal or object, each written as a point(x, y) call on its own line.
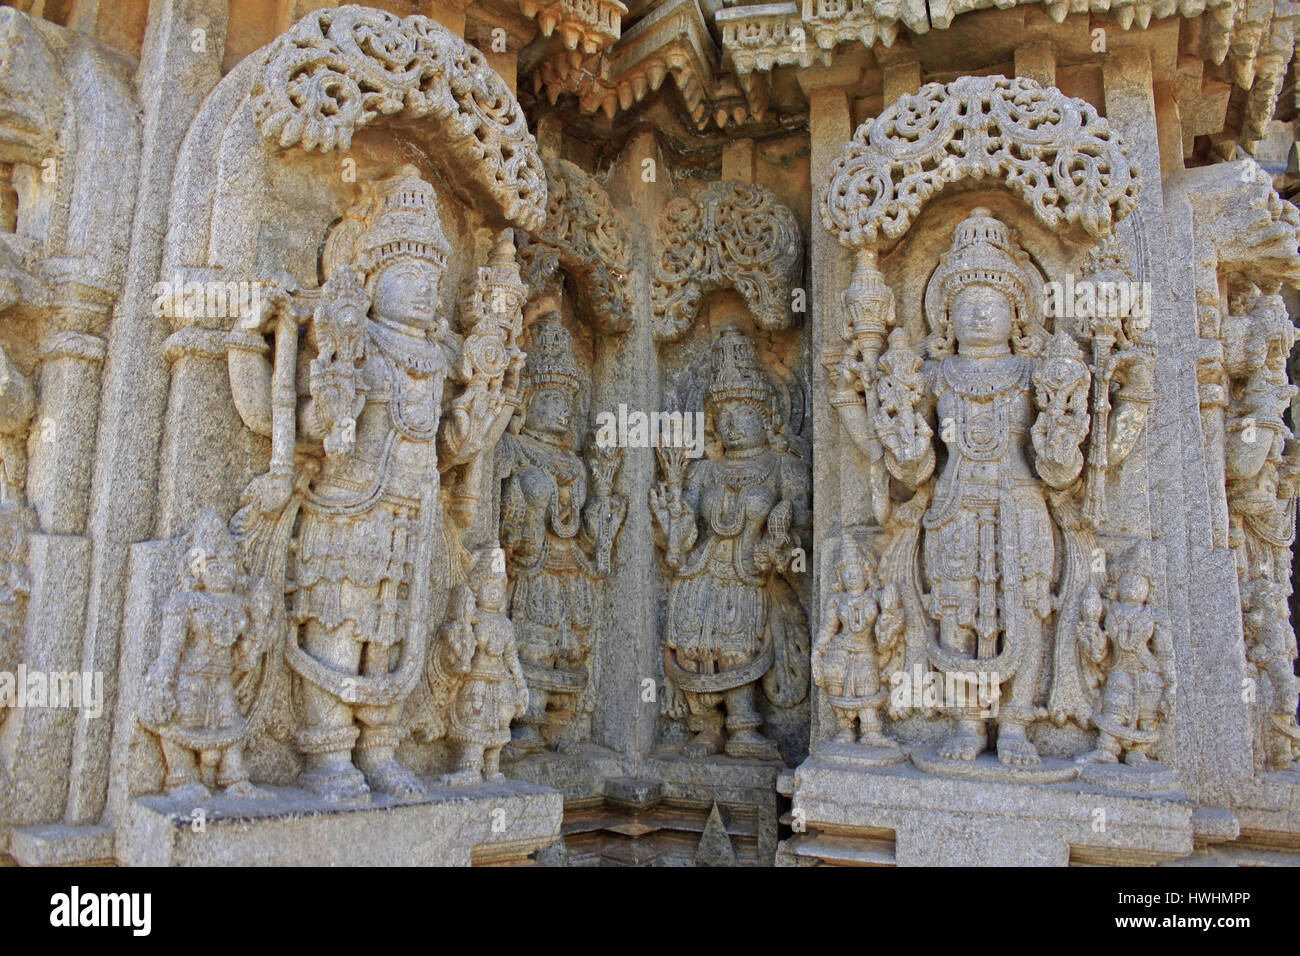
point(428, 435)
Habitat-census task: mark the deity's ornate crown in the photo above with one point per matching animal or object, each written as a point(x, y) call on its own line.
point(984, 251)
point(737, 372)
point(550, 358)
point(405, 223)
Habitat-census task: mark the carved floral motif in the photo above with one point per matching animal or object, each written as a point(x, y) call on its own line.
point(731, 235)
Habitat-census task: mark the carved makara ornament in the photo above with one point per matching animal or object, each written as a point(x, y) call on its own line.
point(1010, 402)
point(729, 528)
point(476, 675)
point(216, 628)
point(558, 531)
point(382, 511)
point(862, 626)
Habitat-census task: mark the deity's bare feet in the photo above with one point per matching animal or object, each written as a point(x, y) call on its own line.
point(525, 739)
point(845, 736)
point(336, 783)
point(1136, 758)
point(244, 790)
point(966, 744)
point(191, 792)
point(461, 778)
point(1014, 748)
point(704, 744)
point(1100, 755)
point(874, 738)
point(751, 744)
point(390, 777)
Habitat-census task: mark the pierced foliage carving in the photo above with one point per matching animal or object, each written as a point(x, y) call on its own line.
point(732, 235)
point(336, 70)
point(1063, 159)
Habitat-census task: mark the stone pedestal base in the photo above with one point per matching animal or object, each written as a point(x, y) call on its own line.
point(901, 816)
point(1269, 811)
point(489, 824)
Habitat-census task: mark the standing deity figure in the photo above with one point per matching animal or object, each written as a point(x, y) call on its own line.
point(862, 624)
point(1128, 641)
point(1010, 404)
point(1262, 468)
point(558, 533)
point(214, 631)
point(728, 533)
point(477, 657)
point(382, 514)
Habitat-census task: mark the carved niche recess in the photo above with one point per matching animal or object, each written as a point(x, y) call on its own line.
point(560, 515)
point(382, 400)
point(732, 522)
point(1039, 587)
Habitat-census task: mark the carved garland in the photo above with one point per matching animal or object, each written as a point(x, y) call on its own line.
point(337, 69)
point(586, 237)
point(1063, 159)
point(731, 236)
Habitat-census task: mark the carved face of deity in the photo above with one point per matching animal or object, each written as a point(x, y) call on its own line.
point(741, 425)
point(406, 293)
point(854, 577)
point(981, 319)
point(550, 411)
point(491, 592)
point(215, 564)
point(1134, 588)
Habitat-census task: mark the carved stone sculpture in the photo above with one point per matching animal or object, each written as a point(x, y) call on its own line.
point(1128, 641)
point(215, 630)
point(16, 522)
point(862, 625)
point(728, 525)
point(558, 532)
point(1262, 467)
point(477, 663)
point(1010, 403)
point(396, 483)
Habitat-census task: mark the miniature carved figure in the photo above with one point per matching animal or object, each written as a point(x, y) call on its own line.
point(558, 532)
point(214, 630)
point(477, 656)
point(729, 533)
point(1129, 641)
point(862, 624)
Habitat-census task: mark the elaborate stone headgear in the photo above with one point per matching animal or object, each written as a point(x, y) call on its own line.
point(853, 553)
point(737, 374)
point(404, 224)
point(984, 251)
point(550, 360)
point(208, 536)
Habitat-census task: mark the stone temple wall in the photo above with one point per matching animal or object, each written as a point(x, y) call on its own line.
point(648, 433)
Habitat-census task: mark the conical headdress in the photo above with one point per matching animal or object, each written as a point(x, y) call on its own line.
point(984, 251)
point(737, 372)
point(404, 224)
point(550, 358)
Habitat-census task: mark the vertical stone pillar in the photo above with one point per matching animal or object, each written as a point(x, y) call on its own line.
point(840, 496)
point(1212, 750)
point(627, 371)
point(172, 80)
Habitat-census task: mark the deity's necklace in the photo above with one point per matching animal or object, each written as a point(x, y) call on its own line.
point(416, 356)
point(564, 521)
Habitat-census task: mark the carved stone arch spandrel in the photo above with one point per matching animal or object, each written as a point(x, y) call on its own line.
point(1063, 159)
point(730, 235)
point(585, 238)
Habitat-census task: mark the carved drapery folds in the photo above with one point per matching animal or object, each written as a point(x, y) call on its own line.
point(1054, 151)
point(585, 237)
point(337, 69)
point(731, 235)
